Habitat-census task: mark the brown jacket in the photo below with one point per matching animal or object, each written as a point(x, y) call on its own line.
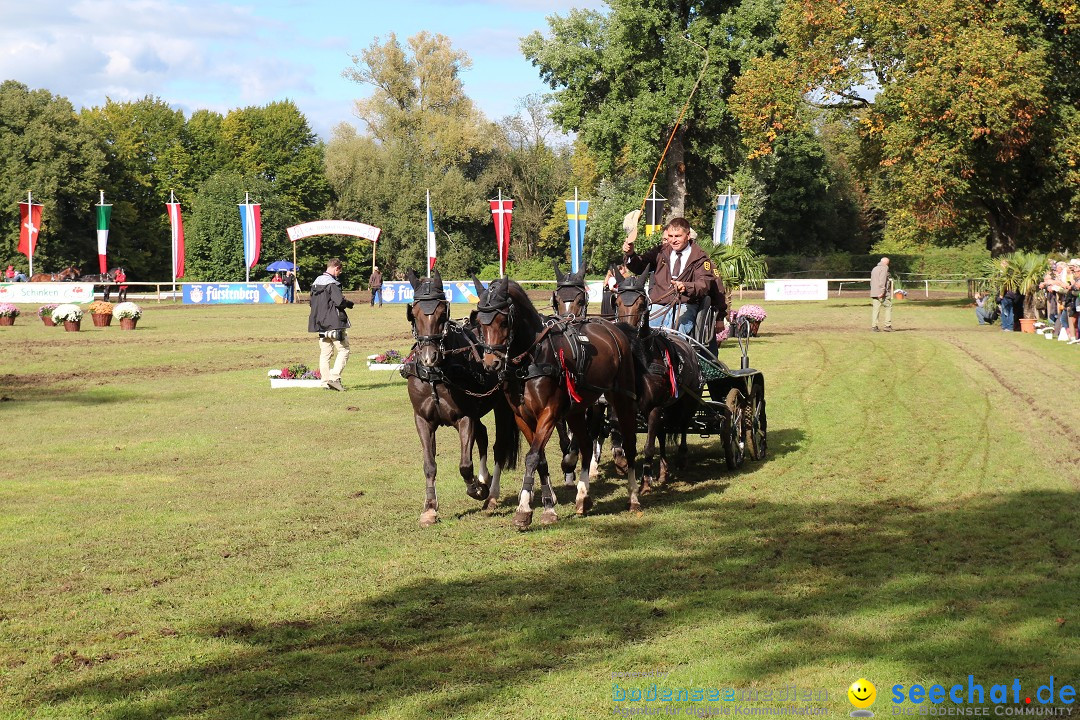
point(697, 274)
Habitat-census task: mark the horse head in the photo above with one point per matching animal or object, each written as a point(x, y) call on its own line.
point(632, 300)
point(429, 314)
point(571, 296)
point(493, 319)
point(68, 274)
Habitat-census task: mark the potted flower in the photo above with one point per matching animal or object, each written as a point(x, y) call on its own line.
point(754, 313)
point(295, 375)
point(70, 314)
point(101, 312)
point(128, 313)
point(389, 360)
point(8, 313)
point(45, 313)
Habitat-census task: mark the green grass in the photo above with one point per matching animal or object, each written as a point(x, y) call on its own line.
point(180, 541)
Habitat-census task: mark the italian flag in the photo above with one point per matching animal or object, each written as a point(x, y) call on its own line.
point(103, 213)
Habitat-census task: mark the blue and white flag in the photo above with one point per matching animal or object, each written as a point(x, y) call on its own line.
point(724, 223)
point(576, 213)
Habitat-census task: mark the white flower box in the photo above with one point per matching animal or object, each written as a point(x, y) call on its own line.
point(277, 382)
point(372, 365)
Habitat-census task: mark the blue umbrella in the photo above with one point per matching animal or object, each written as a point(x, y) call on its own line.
point(280, 265)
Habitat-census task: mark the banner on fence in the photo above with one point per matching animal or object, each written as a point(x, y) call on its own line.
point(233, 293)
point(796, 289)
point(45, 293)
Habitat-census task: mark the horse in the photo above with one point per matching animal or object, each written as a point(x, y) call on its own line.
point(449, 388)
point(550, 371)
point(570, 301)
point(68, 274)
point(670, 388)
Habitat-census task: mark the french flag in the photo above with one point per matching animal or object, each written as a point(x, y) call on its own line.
point(251, 223)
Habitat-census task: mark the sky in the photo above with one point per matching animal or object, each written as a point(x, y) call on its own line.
point(223, 54)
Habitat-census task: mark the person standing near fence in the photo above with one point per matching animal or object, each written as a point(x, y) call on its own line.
point(881, 295)
point(376, 286)
point(327, 317)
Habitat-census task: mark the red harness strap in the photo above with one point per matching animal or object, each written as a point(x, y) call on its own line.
point(671, 374)
point(569, 378)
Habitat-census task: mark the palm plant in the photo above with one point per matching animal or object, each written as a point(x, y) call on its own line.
point(740, 266)
point(1020, 271)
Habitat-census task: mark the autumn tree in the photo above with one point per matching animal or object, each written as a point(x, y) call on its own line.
point(963, 108)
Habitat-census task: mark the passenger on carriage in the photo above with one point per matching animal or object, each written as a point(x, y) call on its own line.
point(682, 275)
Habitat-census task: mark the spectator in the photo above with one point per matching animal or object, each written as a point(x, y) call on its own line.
point(1009, 301)
point(290, 287)
point(881, 295)
point(983, 310)
point(376, 286)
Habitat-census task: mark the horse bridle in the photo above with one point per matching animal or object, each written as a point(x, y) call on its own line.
point(643, 318)
point(580, 292)
point(438, 340)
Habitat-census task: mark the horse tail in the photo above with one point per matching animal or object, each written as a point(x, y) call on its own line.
point(507, 434)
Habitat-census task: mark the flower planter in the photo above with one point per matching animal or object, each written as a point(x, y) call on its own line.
point(276, 381)
point(72, 325)
point(48, 321)
point(754, 328)
point(372, 365)
point(1027, 325)
point(899, 295)
point(128, 323)
point(7, 319)
point(102, 319)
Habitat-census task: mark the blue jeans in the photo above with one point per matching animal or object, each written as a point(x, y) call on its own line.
point(1007, 319)
point(985, 316)
point(686, 315)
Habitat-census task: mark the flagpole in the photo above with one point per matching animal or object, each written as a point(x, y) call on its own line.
point(29, 231)
point(426, 239)
point(172, 241)
point(499, 228)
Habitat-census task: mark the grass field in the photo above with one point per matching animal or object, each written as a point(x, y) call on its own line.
point(180, 541)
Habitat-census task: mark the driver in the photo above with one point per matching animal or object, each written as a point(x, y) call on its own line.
point(682, 275)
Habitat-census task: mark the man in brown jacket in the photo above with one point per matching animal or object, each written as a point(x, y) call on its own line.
point(881, 295)
point(682, 276)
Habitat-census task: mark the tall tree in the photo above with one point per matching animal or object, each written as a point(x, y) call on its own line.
point(622, 77)
point(960, 105)
point(44, 149)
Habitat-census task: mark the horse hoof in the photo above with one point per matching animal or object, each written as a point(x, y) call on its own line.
point(583, 506)
point(429, 518)
point(663, 476)
point(593, 474)
point(635, 507)
point(522, 519)
point(491, 505)
point(549, 517)
point(646, 488)
point(477, 491)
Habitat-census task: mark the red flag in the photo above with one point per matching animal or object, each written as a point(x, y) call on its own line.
point(29, 227)
point(177, 223)
point(502, 211)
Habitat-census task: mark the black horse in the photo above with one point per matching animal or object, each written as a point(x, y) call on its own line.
point(448, 387)
point(551, 371)
point(108, 280)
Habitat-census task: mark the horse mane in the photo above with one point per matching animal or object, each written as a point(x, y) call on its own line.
point(524, 304)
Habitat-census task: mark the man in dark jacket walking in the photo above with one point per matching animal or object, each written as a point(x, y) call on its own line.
point(328, 318)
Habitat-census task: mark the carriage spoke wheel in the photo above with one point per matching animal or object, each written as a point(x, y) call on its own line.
point(756, 427)
point(734, 450)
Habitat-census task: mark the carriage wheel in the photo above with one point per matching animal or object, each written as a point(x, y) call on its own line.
point(756, 426)
point(734, 451)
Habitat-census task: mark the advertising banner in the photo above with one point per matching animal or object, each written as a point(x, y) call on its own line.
point(462, 291)
point(233, 293)
point(45, 293)
point(796, 289)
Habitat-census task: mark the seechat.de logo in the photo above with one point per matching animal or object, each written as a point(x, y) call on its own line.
point(862, 695)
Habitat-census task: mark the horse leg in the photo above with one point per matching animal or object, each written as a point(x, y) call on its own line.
point(107, 288)
point(626, 414)
point(484, 475)
point(537, 440)
point(471, 430)
point(618, 452)
point(650, 449)
point(426, 431)
point(569, 452)
point(582, 502)
point(549, 516)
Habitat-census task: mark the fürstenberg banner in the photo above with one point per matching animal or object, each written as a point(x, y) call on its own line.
point(233, 293)
point(44, 293)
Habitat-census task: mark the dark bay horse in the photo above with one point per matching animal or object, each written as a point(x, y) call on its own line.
point(669, 391)
point(66, 275)
point(448, 387)
point(551, 371)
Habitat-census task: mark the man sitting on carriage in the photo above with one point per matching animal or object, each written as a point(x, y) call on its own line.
point(682, 275)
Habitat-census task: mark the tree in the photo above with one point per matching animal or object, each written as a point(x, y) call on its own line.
point(44, 149)
point(960, 106)
point(621, 79)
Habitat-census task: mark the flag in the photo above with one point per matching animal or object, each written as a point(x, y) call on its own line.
point(576, 213)
point(724, 222)
point(104, 212)
point(654, 213)
point(29, 227)
point(502, 211)
point(430, 237)
point(176, 221)
point(251, 223)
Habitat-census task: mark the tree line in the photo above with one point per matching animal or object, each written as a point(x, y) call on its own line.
point(845, 127)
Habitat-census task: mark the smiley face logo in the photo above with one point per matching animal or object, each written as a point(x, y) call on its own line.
point(862, 695)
